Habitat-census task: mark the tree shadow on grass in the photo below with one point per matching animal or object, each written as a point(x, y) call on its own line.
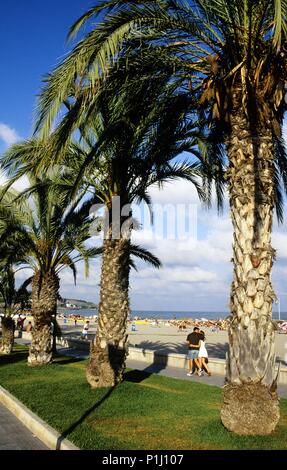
point(69, 430)
point(136, 376)
point(15, 356)
point(64, 360)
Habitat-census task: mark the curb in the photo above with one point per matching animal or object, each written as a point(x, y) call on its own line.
point(49, 436)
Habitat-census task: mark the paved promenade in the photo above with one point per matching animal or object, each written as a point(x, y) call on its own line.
point(14, 435)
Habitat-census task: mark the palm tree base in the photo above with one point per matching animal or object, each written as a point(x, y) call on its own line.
point(106, 366)
point(250, 409)
point(5, 348)
point(40, 359)
point(40, 352)
point(7, 341)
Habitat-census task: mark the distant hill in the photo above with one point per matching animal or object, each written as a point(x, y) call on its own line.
point(69, 303)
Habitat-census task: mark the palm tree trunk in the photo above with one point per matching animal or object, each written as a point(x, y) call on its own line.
point(8, 329)
point(251, 404)
point(44, 304)
point(109, 349)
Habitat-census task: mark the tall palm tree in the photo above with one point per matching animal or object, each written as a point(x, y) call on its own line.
point(231, 56)
point(132, 152)
point(52, 233)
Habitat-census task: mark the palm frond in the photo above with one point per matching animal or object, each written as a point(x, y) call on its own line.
point(145, 255)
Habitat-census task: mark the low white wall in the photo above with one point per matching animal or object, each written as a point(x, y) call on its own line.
point(23, 334)
point(171, 359)
point(217, 366)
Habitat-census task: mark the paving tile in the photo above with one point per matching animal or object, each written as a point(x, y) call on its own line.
point(14, 435)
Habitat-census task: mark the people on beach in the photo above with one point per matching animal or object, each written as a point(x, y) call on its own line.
point(202, 354)
point(29, 327)
point(182, 326)
point(85, 330)
point(20, 323)
point(193, 341)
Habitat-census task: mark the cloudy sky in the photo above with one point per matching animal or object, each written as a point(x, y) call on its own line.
point(197, 271)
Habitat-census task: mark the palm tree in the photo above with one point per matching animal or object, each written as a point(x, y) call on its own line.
point(231, 56)
point(52, 233)
point(13, 301)
point(132, 152)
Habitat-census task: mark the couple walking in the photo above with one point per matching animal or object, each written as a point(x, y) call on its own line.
point(197, 353)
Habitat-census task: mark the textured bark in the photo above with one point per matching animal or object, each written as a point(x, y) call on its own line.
point(109, 349)
point(7, 340)
point(44, 304)
point(251, 404)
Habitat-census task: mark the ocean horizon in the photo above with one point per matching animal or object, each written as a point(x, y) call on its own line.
point(166, 314)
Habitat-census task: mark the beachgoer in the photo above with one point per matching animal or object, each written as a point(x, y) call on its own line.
point(20, 323)
point(182, 326)
point(85, 330)
point(29, 327)
point(75, 321)
point(202, 354)
point(193, 340)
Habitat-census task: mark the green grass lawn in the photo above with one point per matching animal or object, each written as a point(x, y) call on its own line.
point(144, 412)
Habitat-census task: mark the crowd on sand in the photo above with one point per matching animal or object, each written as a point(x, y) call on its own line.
point(186, 324)
point(214, 325)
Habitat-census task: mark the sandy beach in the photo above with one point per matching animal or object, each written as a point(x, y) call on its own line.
point(169, 339)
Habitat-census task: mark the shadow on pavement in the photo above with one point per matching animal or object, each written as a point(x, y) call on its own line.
point(215, 350)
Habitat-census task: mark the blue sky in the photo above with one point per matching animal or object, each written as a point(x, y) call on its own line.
point(32, 38)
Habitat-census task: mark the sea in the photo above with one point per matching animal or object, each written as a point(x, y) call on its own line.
point(165, 315)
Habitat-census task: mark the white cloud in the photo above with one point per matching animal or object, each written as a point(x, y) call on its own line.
point(8, 135)
point(176, 192)
point(178, 274)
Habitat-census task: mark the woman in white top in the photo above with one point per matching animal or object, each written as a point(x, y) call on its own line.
point(202, 354)
point(85, 330)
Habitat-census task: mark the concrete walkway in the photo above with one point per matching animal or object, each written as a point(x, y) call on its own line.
point(14, 435)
